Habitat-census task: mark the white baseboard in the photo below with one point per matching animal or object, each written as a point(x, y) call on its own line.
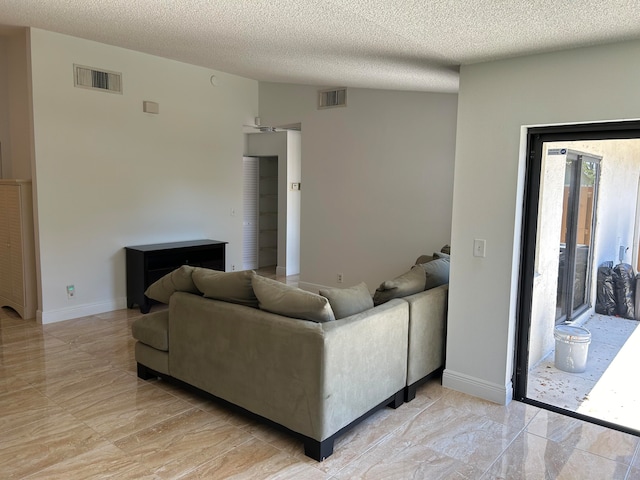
point(501, 394)
point(52, 316)
point(281, 271)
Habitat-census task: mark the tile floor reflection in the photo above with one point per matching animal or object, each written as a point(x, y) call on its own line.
point(71, 407)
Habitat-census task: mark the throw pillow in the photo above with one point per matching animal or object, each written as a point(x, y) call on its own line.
point(277, 297)
point(233, 287)
point(177, 281)
point(436, 272)
point(424, 259)
point(406, 284)
point(348, 301)
point(437, 255)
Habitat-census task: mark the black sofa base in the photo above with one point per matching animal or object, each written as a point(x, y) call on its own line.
point(318, 450)
point(410, 391)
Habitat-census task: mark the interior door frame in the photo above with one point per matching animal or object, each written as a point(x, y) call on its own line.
point(536, 137)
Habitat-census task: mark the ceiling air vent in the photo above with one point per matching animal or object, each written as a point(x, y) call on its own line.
point(334, 97)
point(104, 80)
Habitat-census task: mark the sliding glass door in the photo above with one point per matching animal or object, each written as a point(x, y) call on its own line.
point(581, 176)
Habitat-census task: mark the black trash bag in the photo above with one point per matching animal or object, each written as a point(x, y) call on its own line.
point(624, 281)
point(606, 297)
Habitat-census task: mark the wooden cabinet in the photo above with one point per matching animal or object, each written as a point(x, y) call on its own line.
point(148, 263)
point(17, 251)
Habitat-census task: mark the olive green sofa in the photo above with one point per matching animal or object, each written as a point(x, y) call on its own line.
point(314, 376)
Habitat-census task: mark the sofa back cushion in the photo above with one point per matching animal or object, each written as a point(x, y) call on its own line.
point(348, 301)
point(277, 297)
point(233, 287)
point(436, 272)
point(180, 280)
point(403, 285)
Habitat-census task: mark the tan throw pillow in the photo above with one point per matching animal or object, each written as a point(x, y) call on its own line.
point(348, 301)
point(233, 287)
point(277, 297)
point(177, 281)
point(406, 284)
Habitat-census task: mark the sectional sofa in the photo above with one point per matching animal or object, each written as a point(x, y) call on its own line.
point(312, 364)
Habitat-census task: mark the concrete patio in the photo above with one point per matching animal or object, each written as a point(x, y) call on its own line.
point(609, 388)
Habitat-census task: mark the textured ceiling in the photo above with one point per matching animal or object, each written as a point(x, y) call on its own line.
point(400, 44)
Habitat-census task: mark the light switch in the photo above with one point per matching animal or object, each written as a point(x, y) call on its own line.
point(479, 247)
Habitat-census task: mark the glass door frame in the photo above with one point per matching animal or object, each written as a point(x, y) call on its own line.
point(536, 137)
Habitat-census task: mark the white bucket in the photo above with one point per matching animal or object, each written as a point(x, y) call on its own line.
point(572, 347)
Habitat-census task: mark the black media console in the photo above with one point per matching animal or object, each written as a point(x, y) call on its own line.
point(148, 263)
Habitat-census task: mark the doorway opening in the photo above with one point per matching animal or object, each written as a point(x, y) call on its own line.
point(581, 217)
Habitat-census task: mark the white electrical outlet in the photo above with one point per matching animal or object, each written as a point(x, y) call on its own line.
point(340, 278)
point(71, 291)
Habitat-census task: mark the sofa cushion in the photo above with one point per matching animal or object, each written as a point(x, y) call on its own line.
point(408, 283)
point(152, 330)
point(277, 297)
point(424, 259)
point(437, 255)
point(177, 281)
point(348, 301)
point(234, 287)
point(436, 272)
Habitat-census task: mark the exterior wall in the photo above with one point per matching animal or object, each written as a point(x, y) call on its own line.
point(615, 221)
point(547, 258)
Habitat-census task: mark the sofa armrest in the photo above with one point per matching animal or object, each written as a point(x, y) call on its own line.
point(427, 326)
point(365, 362)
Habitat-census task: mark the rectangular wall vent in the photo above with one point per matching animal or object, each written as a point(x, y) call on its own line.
point(334, 97)
point(104, 80)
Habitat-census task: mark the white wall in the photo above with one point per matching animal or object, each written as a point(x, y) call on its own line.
point(294, 160)
point(376, 179)
point(109, 175)
point(286, 146)
point(496, 100)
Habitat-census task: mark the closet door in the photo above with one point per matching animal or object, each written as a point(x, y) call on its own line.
point(17, 253)
point(250, 213)
point(6, 258)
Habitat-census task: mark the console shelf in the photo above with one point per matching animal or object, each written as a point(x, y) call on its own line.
point(148, 263)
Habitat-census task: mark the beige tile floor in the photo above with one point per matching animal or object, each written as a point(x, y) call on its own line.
point(605, 390)
point(71, 407)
